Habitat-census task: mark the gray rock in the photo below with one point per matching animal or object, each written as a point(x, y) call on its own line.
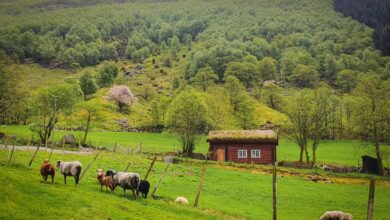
point(69, 139)
point(128, 74)
point(138, 67)
point(122, 122)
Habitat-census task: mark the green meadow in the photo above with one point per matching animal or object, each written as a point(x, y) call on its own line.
point(228, 192)
point(342, 152)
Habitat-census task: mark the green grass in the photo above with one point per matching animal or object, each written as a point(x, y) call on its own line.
point(228, 193)
point(343, 152)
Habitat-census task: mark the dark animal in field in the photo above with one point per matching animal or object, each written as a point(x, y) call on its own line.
point(125, 180)
point(70, 169)
point(144, 187)
point(336, 215)
point(104, 180)
point(370, 165)
point(48, 169)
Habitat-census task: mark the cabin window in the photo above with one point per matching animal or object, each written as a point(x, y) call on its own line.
point(255, 153)
point(242, 154)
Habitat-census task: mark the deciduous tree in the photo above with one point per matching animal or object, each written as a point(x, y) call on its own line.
point(87, 84)
point(50, 102)
point(188, 116)
point(122, 95)
point(371, 112)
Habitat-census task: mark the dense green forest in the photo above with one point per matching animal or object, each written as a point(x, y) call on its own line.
point(193, 66)
point(375, 14)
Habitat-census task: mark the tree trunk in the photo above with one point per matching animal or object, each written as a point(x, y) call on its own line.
point(314, 155)
point(87, 127)
point(379, 158)
point(316, 142)
point(301, 155)
point(307, 155)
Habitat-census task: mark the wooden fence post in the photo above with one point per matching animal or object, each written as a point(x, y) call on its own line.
point(5, 148)
point(33, 157)
point(371, 197)
point(89, 165)
point(29, 142)
point(128, 165)
point(274, 193)
point(45, 144)
point(150, 167)
point(140, 147)
point(52, 148)
point(12, 152)
point(114, 150)
point(200, 187)
point(159, 181)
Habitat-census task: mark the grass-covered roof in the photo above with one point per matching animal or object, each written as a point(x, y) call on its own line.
point(243, 135)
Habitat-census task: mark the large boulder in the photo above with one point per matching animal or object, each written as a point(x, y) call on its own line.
point(69, 139)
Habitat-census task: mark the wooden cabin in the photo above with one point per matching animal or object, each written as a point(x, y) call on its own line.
point(243, 146)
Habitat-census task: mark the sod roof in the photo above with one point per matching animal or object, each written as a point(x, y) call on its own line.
point(243, 135)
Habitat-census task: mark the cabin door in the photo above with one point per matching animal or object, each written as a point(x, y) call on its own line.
point(221, 154)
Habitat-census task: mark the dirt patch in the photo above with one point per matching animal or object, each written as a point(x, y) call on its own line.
point(317, 178)
point(182, 174)
point(124, 208)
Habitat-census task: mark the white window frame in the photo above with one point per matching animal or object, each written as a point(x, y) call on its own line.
point(241, 153)
point(254, 155)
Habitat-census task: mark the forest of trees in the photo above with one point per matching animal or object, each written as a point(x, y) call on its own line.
point(230, 57)
point(375, 14)
point(307, 42)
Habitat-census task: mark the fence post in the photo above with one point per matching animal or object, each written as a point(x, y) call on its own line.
point(52, 148)
point(12, 151)
point(159, 181)
point(29, 143)
point(150, 167)
point(5, 147)
point(359, 168)
point(33, 157)
point(89, 165)
point(114, 150)
point(274, 193)
point(128, 165)
point(200, 186)
point(45, 144)
point(371, 197)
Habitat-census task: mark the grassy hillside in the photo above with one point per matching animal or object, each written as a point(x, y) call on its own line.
point(346, 152)
point(243, 194)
